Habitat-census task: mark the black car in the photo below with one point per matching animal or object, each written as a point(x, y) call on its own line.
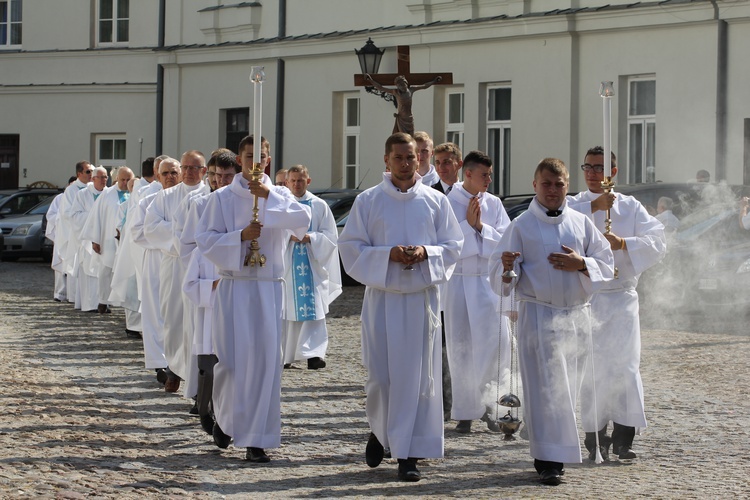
point(707, 265)
point(20, 201)
point(340, 200)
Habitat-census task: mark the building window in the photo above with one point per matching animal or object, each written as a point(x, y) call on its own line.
point(454, 126)
point(498, 137)
point(351, 142)
point(237, 127)
point(642, 130)
point(111, 151)
point(10, 23)
point(114, 21)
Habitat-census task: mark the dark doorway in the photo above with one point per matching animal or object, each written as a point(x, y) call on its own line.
point(9, 161)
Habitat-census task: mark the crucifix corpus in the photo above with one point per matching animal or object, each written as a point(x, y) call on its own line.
point(405, 84)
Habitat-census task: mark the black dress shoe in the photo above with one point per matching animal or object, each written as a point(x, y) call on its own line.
point(257, 455)
point(315, 363)
point(161, 376)
point(220, 439)
point(550, 477)
point(463, 426)
point(194, 409)
point(133, 334)
point(407, 470)
point(374, 451)
point(625, 453)
point(207, 423)
point(287, 366)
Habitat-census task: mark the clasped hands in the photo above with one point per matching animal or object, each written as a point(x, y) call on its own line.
point(400, 253)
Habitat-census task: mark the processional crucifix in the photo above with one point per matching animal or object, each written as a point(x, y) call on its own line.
point(405, 84)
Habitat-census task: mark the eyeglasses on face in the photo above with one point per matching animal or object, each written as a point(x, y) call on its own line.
point(596, 168)
point(88, 171)
point(171, 173)
point(191, 168)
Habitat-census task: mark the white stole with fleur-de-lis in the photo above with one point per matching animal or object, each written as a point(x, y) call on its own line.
point(302, 281)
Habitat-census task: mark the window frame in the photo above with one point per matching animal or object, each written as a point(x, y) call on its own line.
point(115, 20)
point(351, 131)
point(454, 131)
point(110, 163)
point(639, 171)
point(500, 171)
point(5, 42)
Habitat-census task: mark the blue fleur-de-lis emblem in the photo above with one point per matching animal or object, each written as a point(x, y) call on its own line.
point(304, 290)
point(301, 249)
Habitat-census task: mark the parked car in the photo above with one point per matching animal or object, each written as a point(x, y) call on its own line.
point(340, 200)
point(707, 265)
point(20, 201)
point(687, 196)
point(346, 280)
point(23, 234)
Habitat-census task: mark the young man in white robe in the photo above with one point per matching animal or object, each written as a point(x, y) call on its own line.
point(160, 230)
point(201, 279)
point(313, 278)
point(88, 261)
point(638, 242)
point(247, 315)
point(474, 326)
point(401, 241)
point(66, 235)
point(101, 229)
point(558, 256)
point(426, 169)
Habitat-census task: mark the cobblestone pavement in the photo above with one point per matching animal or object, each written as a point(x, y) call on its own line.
point(82, 418)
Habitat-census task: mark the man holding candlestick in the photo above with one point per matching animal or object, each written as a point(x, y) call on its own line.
point(247, 312)
point(638, 242)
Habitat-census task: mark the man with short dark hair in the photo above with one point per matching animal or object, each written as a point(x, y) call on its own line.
point(473, 326)
point(638, 242)
point(67, 238)
point(401, 240)
point(558, 257)
point(247, 312)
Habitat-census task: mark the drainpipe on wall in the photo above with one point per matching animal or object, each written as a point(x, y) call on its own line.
point(721, 95)
point(160, 82)
point(280, 75)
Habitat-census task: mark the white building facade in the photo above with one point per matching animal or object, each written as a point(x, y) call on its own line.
point(115, 81)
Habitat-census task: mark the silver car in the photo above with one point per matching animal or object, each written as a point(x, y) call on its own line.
point(22, 234)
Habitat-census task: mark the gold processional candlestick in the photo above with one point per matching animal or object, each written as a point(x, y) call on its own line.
point(256, 76)
point(607, 91)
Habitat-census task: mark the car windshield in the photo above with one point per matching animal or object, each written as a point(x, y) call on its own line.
point(718, 224)
point(41, 208)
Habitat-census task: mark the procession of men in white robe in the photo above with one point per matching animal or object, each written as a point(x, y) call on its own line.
point(174, 255)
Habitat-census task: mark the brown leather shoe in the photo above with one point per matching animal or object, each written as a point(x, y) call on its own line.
point(172, 384)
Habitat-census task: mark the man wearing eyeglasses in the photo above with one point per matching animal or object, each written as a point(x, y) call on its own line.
point(613, 389)
point(69, 244)
point(162, 230)
point(168, 174)
point(201, 279)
